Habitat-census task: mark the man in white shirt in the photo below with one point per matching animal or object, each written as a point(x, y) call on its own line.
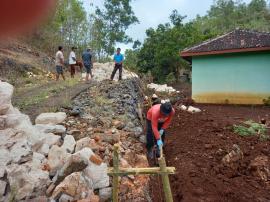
point(59, 63)
point(72, 62)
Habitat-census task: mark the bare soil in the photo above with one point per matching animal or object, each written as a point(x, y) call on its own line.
point(196, 144)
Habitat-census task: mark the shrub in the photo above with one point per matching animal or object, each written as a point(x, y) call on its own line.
point(251, 128)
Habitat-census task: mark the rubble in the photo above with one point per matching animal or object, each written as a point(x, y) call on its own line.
point(32, 155)
point(260, 167)
point(161, 88)
point(233, 158)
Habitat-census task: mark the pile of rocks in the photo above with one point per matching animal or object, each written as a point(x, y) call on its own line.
point(161, 88)
point(102, 71)
point(110, 113)
point(42, 161)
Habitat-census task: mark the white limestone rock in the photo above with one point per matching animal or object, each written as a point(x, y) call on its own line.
point(48, 128)
point(56, 158)
point(69, 143)
point(51, 118)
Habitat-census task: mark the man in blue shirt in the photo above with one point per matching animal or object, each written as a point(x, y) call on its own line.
point(118, 61)
point(88, 63)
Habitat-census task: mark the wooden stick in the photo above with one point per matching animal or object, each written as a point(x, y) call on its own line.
point(115, 169)
point(141, 171)
point(165, 180)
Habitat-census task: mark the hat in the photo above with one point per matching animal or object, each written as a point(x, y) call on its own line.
point(166, 108)
point(154, 96)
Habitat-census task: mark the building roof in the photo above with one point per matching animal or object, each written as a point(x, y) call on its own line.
point(233, 42)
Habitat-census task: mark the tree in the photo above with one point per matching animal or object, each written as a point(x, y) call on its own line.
point(68, 26)
point(160, 50)
point(116, 18)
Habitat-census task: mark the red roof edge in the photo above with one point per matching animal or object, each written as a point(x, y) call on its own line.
point(190, 54)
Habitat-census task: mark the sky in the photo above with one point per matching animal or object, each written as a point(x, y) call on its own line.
point(154, 12)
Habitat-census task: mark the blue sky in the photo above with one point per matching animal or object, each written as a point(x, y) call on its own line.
point(153, 12)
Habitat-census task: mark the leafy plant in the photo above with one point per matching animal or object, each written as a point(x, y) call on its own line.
point(251, 128)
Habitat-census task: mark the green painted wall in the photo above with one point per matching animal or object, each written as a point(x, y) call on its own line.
point(240, 78)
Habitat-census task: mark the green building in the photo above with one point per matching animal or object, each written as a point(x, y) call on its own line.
point(233, 68)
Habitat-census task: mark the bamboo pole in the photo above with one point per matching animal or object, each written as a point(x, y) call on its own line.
point(165, 178)
point(141, 171)
point(116, 170)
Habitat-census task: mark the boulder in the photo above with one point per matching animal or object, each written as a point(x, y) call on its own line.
point(27, 181)
point(51, 118)
point(73, 185)
point(3, 185)
point(75, 163)
point(38, 160)
point(98, 175)
point(69, 143)
point(56, 158)
point(48, 128)
point(86, 142)
point(105, 194)
point(85, 153)
point(52, 139)
point(6, 92)
point(20, 151)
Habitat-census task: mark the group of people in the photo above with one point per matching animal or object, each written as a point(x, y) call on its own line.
point(159, 116)
point(87, 62)
point(73, 62)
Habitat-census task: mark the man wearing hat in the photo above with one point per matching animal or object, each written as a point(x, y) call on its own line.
point(159, 118)
point(88, 63)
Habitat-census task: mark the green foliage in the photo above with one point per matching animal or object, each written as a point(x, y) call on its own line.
point(160, 50)
point(131, 60)
point(266, 101)
point(114, 20)
point(68, 26)
point(251, 128)
point(170, 78)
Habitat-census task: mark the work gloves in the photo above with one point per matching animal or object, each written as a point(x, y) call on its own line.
point(161, 132)
point(159, 143)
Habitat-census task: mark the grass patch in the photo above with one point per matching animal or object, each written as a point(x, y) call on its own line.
point(251, 128)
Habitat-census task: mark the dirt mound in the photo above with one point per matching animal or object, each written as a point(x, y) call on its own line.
point(17, 60)
point(196, 146)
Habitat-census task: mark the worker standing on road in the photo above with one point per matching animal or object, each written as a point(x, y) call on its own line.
point(88, 63)
point(59, 63)
point(118, 64)
point(159, 118)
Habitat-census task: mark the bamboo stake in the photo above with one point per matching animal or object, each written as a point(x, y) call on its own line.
point(141, 171)
point(116, 170)
point(165, 178)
